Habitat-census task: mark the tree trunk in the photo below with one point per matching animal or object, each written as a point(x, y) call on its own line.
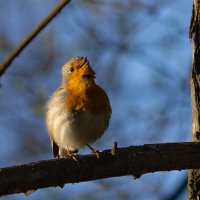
point(194, 175)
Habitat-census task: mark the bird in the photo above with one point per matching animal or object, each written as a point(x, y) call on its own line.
point(78, 112)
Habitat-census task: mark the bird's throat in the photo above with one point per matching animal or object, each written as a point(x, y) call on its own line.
point(79, 95)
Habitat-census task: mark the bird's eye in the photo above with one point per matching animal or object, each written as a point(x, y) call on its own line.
point(71, 69)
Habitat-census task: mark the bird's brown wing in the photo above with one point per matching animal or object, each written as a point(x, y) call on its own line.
point(55, 149)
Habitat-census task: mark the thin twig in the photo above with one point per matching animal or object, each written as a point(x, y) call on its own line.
point(6, 63)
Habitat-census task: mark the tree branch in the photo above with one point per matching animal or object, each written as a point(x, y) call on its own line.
point(134, 160)
point(5, 64)
point(194, 34)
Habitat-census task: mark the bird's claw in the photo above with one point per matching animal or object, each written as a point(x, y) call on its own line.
point(70, 155)
point(96, 152)
point(73, 156)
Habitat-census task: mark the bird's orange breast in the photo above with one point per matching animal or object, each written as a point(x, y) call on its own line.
point(87, 96)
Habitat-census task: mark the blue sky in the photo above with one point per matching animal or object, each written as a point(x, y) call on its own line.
point(142, 57)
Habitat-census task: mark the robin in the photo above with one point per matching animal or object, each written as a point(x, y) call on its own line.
point(79, 110)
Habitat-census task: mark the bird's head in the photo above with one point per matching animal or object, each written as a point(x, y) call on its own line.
point(77, 69)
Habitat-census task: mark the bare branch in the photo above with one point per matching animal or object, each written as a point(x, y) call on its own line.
point(5, 64)
point(134, 160)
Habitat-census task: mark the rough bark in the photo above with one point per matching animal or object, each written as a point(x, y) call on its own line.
point(194, 33)
point(135, 161)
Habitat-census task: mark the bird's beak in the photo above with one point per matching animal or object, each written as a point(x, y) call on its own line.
point(86, 70)
point(83, 62)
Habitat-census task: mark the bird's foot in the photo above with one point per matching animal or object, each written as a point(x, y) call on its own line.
point(94, 151)
point(69, 154)
point(74, 156)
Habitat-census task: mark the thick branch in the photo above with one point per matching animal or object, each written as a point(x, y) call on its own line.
point(135, 160)
point(5, 64)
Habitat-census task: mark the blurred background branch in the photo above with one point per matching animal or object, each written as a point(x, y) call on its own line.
point(9, 59)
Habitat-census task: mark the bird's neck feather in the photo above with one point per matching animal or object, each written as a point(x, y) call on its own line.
point(79, 94)
point(80, 85)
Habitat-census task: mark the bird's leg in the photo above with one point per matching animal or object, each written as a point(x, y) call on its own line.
point(94, 151)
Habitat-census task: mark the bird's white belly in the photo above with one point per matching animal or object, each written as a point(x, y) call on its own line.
point(75, 130)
